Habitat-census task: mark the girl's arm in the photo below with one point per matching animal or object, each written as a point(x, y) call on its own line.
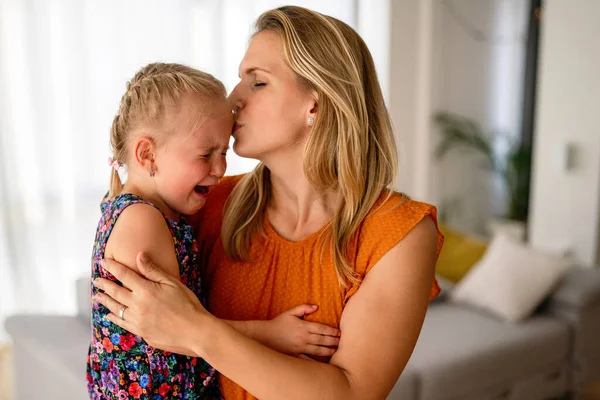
point(380, 325)
point(142, 228)
point(289, 334)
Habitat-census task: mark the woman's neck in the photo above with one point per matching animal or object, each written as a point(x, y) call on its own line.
point(296, 209)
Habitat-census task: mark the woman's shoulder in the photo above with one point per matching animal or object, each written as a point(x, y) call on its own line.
point(392, 217)
point(207, 222)
point(227, 183)
point(397, 211)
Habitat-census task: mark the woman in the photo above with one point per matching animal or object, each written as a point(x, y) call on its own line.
point(314, 222)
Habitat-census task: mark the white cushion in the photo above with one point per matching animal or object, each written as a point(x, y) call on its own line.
point(510, 280)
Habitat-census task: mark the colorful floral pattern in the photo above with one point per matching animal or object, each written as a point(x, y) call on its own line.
point(122, 365)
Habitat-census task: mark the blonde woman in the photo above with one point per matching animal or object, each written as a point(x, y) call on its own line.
point(315, 223)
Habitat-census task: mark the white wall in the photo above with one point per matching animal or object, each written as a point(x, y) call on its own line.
point(463, 56)
point(565, 202)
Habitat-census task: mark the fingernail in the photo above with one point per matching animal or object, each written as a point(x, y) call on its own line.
point(314, 306)
point(144, 257)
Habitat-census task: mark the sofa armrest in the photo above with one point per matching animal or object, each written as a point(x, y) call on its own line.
point(82, 290)
point(576, 301)
point(580, 288)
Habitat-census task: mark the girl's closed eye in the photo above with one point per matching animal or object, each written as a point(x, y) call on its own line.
point(259, 84)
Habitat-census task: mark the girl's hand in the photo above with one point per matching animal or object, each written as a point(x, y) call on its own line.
point(158, 307)
point(288, 333)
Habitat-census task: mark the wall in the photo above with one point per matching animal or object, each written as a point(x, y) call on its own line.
point(463, 56)
point(565, 202)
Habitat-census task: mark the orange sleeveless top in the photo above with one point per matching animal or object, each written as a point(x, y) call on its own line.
point(285, 274)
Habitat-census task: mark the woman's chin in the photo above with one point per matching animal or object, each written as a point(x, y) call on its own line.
point(242, 150)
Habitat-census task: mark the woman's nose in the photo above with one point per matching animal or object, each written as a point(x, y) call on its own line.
point(236, 99)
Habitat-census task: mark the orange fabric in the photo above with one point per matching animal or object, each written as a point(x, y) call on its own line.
point(286, 274)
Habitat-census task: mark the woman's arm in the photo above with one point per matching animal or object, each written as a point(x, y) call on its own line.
point(142, 228)
point(380, 326)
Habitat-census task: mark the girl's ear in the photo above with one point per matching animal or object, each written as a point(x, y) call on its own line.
point(145, 153)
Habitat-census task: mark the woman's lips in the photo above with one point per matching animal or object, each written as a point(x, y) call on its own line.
point(236, 127)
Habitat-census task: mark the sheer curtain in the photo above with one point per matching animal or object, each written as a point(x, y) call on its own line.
point(63, 68)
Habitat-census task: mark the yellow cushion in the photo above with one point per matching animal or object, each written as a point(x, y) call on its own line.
point(459, 254)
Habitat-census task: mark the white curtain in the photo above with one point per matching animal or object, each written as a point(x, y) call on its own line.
point(63, 68)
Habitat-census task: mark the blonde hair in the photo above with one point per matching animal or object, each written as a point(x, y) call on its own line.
point(351, 149)
point(155, 90)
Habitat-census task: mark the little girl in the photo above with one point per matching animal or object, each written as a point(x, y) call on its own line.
point(172, 131)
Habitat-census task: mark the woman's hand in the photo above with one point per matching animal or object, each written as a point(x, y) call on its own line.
point(158, 307)
point(288, 333)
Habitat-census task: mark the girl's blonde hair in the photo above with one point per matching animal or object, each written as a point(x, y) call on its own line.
point(151, 95)
point(351, 149)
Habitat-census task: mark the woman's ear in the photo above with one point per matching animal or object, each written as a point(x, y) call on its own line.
point(314, 105)
point(144, 151)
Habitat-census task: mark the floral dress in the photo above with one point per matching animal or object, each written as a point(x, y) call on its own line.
point(123, 366)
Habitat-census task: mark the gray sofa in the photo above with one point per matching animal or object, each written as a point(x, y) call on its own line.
point(462, 353)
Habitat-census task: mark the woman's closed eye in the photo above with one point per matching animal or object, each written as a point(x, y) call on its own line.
point(260, 84)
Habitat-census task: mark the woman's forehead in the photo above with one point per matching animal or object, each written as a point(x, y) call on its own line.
point(264, 54)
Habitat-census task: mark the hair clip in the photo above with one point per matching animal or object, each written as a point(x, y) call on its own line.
point(114, 163)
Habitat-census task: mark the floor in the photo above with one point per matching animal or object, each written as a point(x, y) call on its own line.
point(593, 392)
point(5, 373)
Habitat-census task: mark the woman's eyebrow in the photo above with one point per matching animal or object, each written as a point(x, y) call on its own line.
point(250, 70)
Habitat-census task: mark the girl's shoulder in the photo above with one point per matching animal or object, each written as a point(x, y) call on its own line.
point(112, 206)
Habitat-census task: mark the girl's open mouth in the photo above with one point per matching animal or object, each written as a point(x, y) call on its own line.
point(202, 190)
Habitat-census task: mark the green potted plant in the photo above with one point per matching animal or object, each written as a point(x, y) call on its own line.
point(459, 133)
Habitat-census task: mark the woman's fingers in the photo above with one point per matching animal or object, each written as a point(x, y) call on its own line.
point(325, 330)
point(110, 303)
point(321, 340)
point(114, 290)
point(126, 275)
point(123, 323)
point(150, 270)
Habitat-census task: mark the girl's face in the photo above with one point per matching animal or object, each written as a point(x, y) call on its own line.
point(272, 106)
point(188, 164)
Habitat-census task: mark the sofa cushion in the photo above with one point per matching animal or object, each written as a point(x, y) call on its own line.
point(406, 387)
point(459, 254)
point(83, 292)
point(511, 279)
point(462, 350)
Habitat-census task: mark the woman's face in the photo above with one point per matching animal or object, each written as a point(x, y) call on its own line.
point(272, 106)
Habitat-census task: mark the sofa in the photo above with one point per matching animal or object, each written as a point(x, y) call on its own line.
point(462, 353)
